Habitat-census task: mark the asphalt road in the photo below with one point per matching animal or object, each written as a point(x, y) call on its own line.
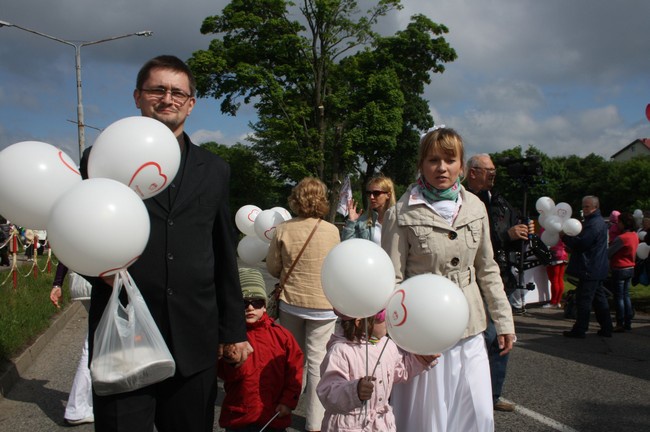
point(558, 384)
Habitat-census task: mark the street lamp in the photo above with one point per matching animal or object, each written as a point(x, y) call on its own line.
point(77, 47)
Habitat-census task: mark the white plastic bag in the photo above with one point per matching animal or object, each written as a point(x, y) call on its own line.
point(79, 287)
point(129, 351)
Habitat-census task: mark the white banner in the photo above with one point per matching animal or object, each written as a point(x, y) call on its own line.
point(345, 195)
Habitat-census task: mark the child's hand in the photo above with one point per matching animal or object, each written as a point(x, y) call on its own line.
point(283, 410)
point(235, 353)
point(365, 388)
point(428, 360)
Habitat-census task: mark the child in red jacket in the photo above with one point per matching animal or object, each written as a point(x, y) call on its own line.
point(269, 383)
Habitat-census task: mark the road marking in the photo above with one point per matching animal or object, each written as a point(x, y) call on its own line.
point(556, 425)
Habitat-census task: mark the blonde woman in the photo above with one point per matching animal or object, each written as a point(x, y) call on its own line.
point(381, 196)
point(438, 227)
point(304, 309)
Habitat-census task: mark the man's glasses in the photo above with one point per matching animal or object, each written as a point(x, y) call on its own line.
point(488, 170)
point(375, 193)
point(179, 97)
point(257, 303)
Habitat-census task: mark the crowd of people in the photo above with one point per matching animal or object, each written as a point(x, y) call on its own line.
point(213, 317)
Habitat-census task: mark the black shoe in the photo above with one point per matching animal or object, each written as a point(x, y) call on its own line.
point(518, 311)
point(573, 334)
point(604, 333)
point(504, 406)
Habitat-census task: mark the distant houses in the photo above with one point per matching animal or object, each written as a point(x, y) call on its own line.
point(638, 147)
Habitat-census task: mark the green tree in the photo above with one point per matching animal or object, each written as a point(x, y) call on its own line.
point(628, 185)
point(331, 95)
point(250, 181)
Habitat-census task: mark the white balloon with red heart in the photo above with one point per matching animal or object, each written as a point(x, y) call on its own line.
point(427, 314)
point(572, 227)
point(284, 212)
point(357, 276)
point(245, 218)
point(98, 227)
point(252, 250)
point(139, 152)
point(552, 223)
point(33, 176)
point(550, 238)
point(265, 224)
point(643, 251)
point(544, 204)
point(563, 210)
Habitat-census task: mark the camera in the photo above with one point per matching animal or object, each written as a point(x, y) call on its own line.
point(522, 168)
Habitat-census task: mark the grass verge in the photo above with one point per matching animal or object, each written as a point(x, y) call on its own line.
point(25, 311)
point(640, 295)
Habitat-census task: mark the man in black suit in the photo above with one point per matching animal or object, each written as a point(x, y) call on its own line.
point(187, 273)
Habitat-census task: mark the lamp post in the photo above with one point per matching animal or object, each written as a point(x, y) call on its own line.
point(77, 48)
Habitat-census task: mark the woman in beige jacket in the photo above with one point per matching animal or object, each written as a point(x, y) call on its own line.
point(437, 227)
point(304, 309)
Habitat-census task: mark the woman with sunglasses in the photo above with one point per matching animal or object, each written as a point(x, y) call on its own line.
point(438, 227)
point(381, 196)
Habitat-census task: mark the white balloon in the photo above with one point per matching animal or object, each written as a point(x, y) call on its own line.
point(357, 278)
point(563, 210)
point(265, 224)
point(642, 235)
point(553, 223)
point(643, 250)
point(33, 176)
point(427, 314)
point(252, 250)
point(284, 212)
point(139, 152)
point(544, 204)
point(245, 218)
point(572, 227)
point(98, 227)
point(543, 217)
point(550, 238)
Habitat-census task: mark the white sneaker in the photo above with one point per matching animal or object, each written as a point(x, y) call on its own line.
point(89, 419)
point(548, 306)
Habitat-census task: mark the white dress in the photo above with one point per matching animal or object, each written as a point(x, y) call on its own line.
point(447, 398)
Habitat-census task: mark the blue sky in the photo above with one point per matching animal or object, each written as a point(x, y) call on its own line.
point(568, 77)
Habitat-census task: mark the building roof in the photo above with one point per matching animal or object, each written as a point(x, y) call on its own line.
point(644, 141)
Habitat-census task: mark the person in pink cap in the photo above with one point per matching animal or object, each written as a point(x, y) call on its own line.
point(614, 229)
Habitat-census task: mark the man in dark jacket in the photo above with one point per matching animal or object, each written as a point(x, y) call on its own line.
point(506, 234)
point(589, 263)
point(187, 273)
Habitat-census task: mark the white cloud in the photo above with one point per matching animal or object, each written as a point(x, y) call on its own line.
point(569, 77)
point(202, 136)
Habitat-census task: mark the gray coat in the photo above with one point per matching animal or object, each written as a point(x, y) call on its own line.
point(420, 241)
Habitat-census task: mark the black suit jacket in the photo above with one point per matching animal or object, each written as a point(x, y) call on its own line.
point(188, 273)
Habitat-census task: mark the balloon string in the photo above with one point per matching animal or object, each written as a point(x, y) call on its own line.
point(365, 322)
point(269, 422)
point(365, 402)
point(380, 354)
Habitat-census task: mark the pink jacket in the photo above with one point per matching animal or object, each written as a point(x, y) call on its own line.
point(341, 369)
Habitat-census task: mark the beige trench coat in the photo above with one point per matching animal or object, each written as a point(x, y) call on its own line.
point(303, 287)
point(420, 241)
